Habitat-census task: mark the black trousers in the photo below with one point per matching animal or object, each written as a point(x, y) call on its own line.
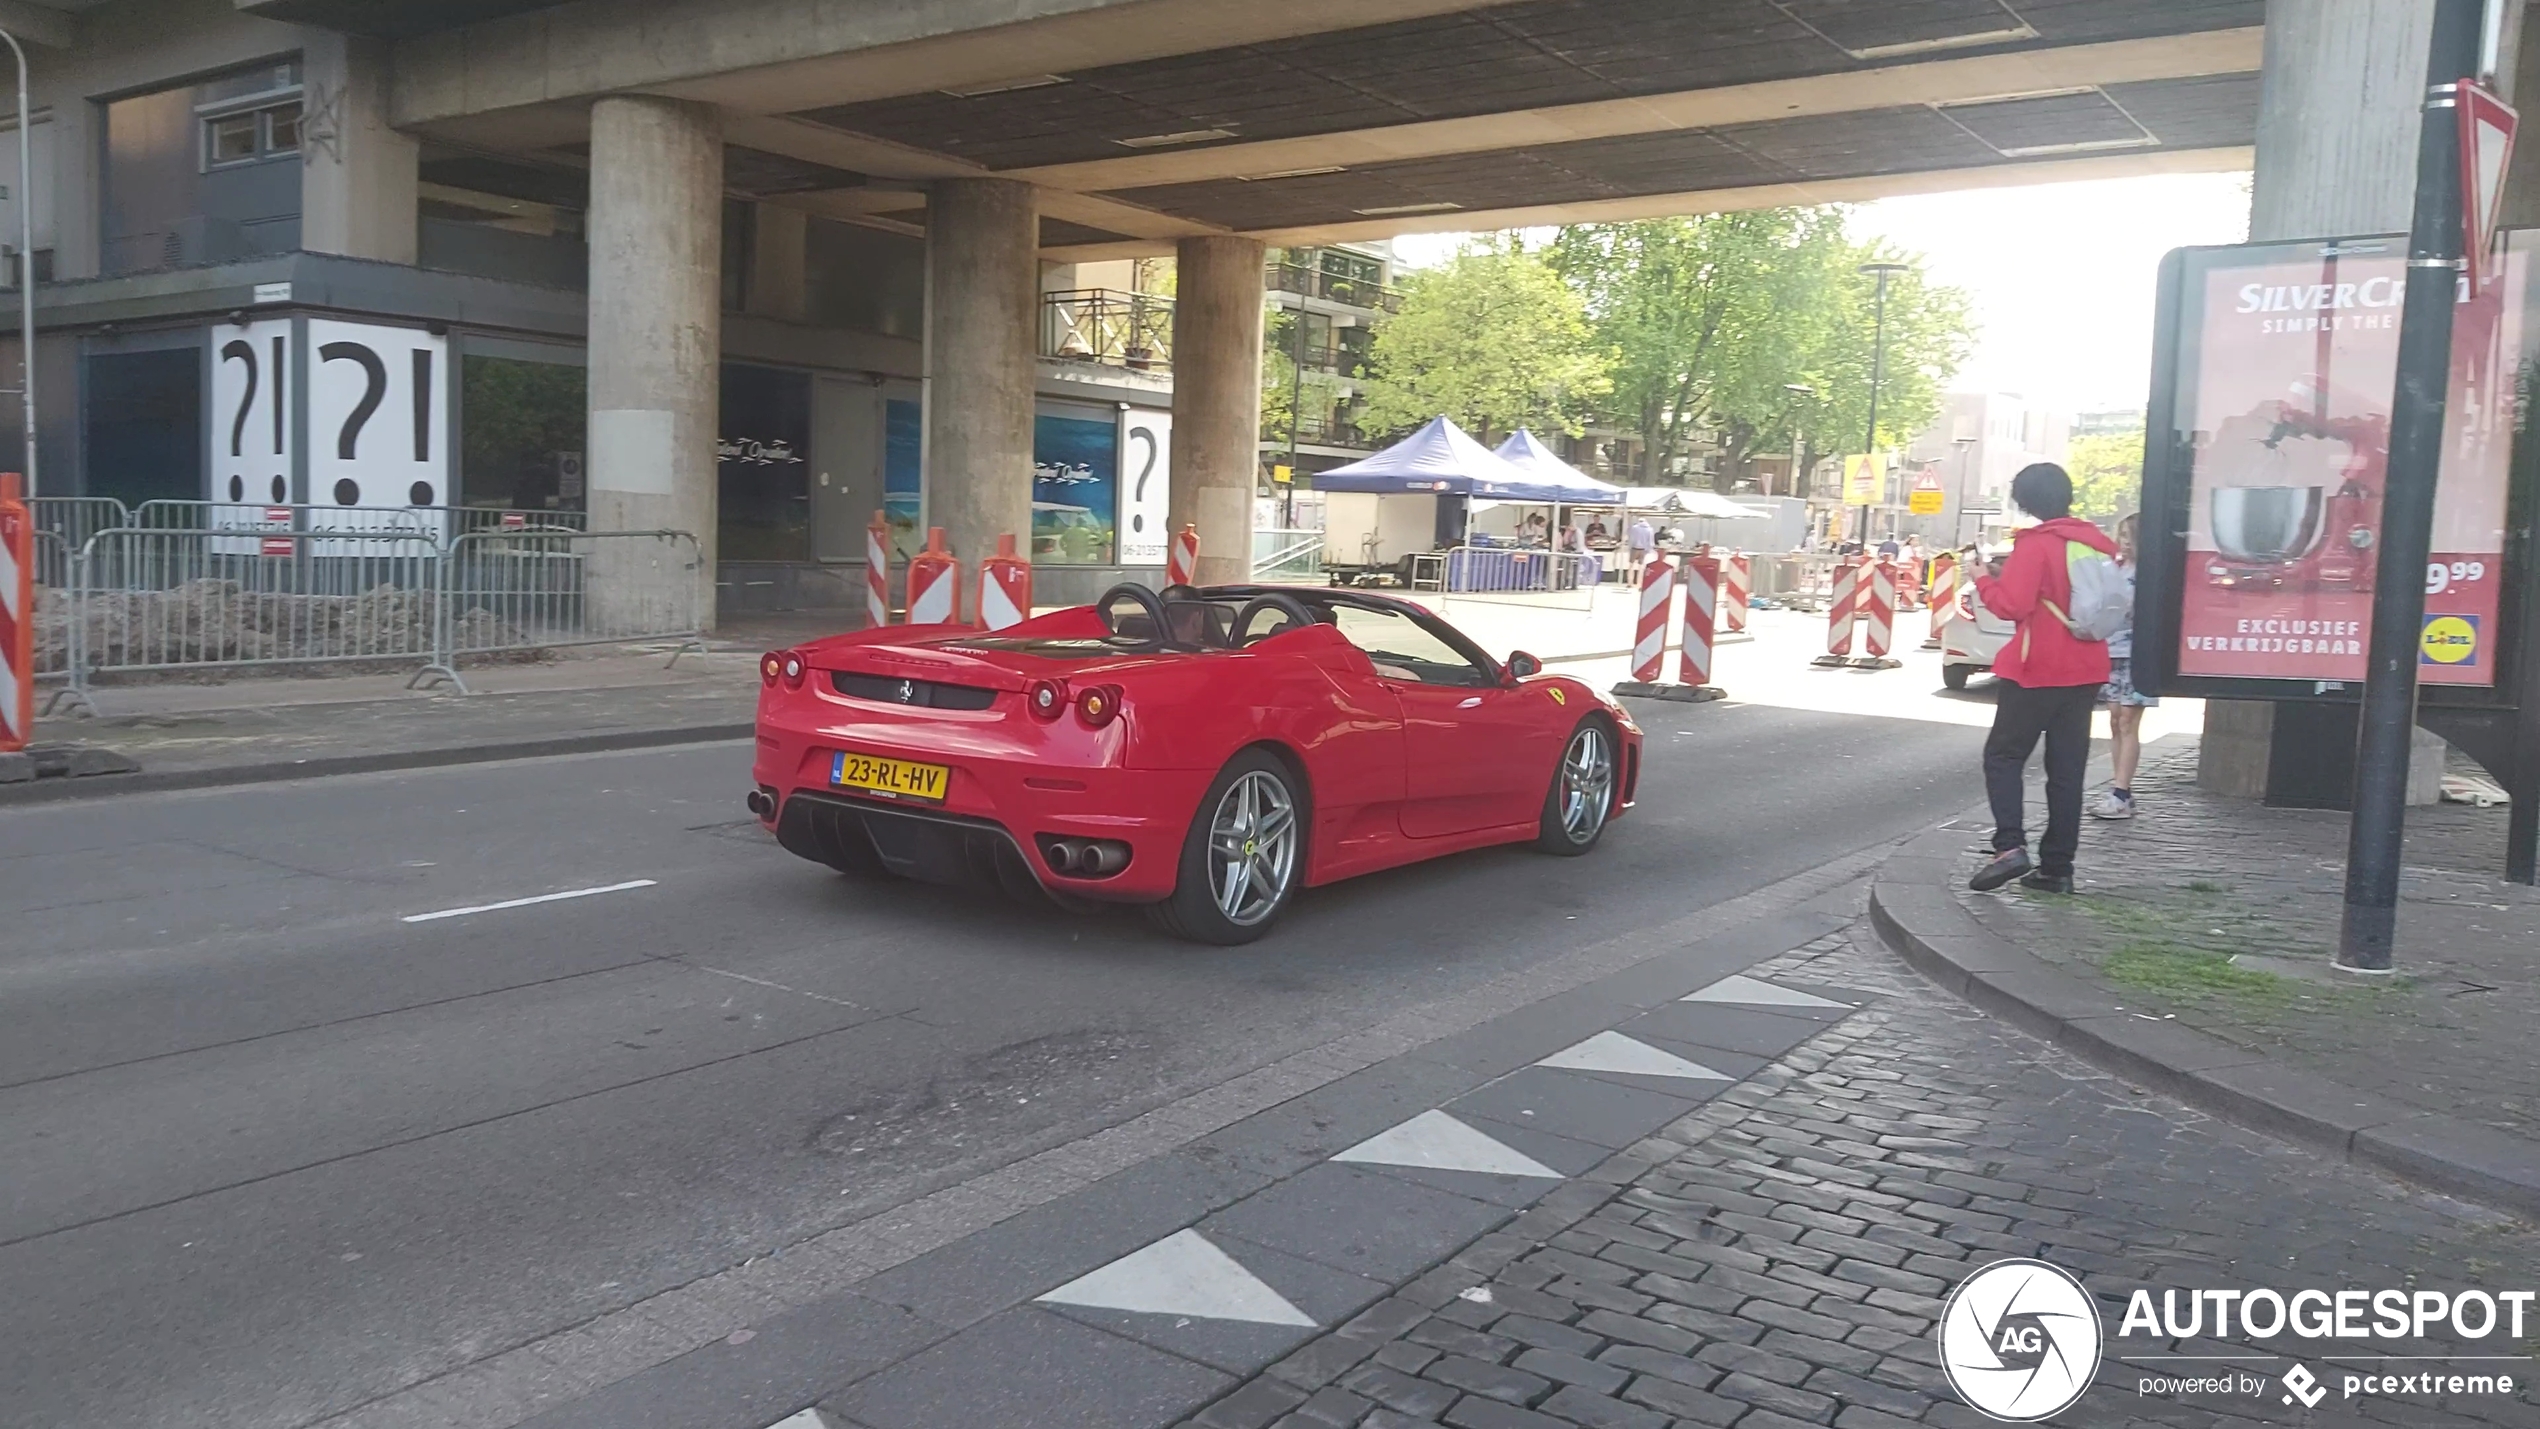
point(2062, 714)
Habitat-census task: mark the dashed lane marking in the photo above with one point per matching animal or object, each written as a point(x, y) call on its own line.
point(525, 902)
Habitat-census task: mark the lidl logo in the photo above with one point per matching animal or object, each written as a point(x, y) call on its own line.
point(2448, 640)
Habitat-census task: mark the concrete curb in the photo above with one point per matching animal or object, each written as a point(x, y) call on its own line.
point(1918, 918)
point(56, 791)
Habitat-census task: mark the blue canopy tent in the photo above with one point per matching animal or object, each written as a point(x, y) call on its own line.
point(1577, 488)
point(1440, 460)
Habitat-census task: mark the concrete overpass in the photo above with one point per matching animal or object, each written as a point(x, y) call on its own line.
point(1011, 132)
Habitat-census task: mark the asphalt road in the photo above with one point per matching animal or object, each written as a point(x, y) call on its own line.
point(272, 1150)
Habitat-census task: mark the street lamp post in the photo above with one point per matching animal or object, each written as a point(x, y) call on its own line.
point(1878, 364)
point(1958, 523)
point(26, 264)
point(1296, 413)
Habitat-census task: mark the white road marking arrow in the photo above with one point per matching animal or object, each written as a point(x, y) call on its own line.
point(1183, 1274)
point(1436, 1140)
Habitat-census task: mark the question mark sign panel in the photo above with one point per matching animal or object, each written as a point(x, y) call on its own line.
point(247, 456)
point(378, 403)
point(1146, 461)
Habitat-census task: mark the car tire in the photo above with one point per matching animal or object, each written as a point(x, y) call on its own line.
point(1955, 676)
point(1206, 906)
point(1580, 802)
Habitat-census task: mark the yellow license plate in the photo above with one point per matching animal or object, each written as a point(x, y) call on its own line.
point(893, 778)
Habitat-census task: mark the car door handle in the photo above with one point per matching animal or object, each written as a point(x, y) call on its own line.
point(1473, 703)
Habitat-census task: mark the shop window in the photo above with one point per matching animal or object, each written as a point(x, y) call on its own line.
point(142, 424)
point(763, 471)
point(521, 429)
point(1075, 485)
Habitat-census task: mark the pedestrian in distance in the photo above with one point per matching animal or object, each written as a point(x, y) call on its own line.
point(1889, 548)
point(2064, 596)
point(1641, 544)
point(2125, 703)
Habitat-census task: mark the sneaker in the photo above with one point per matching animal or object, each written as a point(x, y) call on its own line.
point(2006, 865)
point(2049, 882)
point(2113, 805)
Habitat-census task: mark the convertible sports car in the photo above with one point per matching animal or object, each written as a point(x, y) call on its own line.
point(1204, 752)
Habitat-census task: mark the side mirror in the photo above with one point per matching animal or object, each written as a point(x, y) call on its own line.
point(1521, 664)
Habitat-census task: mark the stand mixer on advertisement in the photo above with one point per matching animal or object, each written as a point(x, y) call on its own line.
point(2286, 511)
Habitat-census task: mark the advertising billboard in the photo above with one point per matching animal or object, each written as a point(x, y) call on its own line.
point(1075, 485)
point(2269, 455)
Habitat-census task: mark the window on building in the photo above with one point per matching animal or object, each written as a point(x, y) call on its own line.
point(521, 431)
point(248, 135)
point(200, 173)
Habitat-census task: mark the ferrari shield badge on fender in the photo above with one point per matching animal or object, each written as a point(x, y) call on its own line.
point(1558, 696)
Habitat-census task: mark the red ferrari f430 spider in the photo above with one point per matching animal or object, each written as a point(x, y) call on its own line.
point(1204, 752)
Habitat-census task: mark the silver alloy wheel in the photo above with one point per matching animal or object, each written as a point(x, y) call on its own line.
point(1587, 783)
point(1252, 840)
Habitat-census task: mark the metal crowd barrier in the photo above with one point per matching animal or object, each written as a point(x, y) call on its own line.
point(1523, 575)
point(166, 599)
point(536, 590)
point(74, 519)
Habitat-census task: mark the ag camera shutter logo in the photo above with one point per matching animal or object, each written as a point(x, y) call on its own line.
point(2020, 1340)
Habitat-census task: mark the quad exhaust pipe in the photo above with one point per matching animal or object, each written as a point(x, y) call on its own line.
point(1086, 858)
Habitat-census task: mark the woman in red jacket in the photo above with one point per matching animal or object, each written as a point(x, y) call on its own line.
point(2048, 681)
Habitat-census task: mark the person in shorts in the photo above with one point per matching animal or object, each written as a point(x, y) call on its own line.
point(2125, 703)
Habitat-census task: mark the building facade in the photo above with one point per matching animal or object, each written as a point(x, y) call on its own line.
point(1977, 444)
point(252, 290)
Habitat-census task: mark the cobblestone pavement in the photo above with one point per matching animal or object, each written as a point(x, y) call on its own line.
point(1779, 1258)
point(2170, 898)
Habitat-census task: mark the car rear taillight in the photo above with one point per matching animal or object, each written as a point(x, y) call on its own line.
point(770, 665)
point(1047, 699)
point(1098, 706)
point(794, 668)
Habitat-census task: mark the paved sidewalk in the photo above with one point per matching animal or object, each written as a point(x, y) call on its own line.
point(1779, 1257)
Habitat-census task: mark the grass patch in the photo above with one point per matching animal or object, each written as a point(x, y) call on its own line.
point(2205, 885)
point(2182, 972)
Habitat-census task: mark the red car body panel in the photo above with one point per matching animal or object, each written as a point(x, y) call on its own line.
point(1394, 771)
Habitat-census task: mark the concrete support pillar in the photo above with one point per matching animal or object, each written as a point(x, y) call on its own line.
point(2339, 100)
point(358, 176)
point(1217, 400)
point(982, 312)
point(656, 227)
point(777, 286)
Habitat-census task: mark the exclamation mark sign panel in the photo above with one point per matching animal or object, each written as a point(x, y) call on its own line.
point(423, 403)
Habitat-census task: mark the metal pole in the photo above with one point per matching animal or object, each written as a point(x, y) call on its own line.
point(26, 261)
point(2378, 826)
point(1878, 366)
point(1296, 414)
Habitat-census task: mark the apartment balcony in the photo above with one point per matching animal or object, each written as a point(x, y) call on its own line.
point(1335, 361)
point(1106, 325)
point(1332, 287)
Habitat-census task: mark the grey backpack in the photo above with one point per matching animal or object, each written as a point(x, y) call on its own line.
point(2103, 599)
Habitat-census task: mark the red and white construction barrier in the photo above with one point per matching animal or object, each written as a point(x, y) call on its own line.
point(17, 617)
point(1181, 563)
point(934, 583)
point(1005, 587)
point(1944, 600)
point(1878, 617)
point(1841, 611)
point(1658, 582)
point(1702, 612)
point(877, 572)
point(1737, 587)
point(1649, 639)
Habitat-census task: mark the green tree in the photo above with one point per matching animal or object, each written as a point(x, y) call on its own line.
point(1756, 328)
point(1279, 406)
point(1492, 339)
point(2107, 472)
